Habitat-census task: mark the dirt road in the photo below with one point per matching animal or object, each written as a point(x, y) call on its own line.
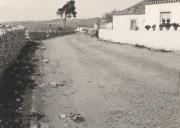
point(110, 85)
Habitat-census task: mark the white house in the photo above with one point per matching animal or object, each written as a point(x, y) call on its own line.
point(130, 17)
point(129, 24)
point(162, 11)
point(147, 12)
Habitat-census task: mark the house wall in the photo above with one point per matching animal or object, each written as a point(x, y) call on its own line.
point(121, 32)
point(107, 26)
point(168, 40)
point(122, 22)
point(152, 15)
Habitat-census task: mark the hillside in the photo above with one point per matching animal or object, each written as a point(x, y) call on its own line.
point(54, 24)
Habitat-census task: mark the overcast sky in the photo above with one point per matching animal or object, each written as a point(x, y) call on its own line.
point(16, 10)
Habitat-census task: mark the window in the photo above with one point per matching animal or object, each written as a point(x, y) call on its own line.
point(133, 25)
point(165, 17)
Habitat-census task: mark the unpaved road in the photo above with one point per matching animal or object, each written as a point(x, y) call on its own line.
point(110, 85)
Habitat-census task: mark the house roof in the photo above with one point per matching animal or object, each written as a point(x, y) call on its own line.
point(136, 9)
point(160, 1)
point(139, 8)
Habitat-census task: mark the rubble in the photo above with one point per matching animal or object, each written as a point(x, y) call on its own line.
point(45, 60)
point(65, 125)
point(63, 116)
point(43, 125)
point(19, 82)
point(18, 100)
point(53, 84)
point(36, 115)
point(36, 74)
point(32, 78)
point(77, 118)
point(17, 120)
point(63, 83)
point(42, 85)
point(34, 126)
point(26, 67)
point(42, 48)
point(20, 108)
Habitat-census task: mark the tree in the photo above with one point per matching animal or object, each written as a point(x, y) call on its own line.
point(67, 11)
point(109, 16)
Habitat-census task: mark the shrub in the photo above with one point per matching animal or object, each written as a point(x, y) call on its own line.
point(164, 50)
point(168, 26)
point(154, 27)
point(136, 28)
point(161, 27)
point(139, 46)
point(175, 26)
point(147, 27)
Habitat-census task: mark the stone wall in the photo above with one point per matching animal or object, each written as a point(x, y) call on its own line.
point(35, 35)
point(11, 43)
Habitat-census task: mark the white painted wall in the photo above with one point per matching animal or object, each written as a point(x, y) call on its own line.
point(107, 26)
point(152, 15)
point(168, 40)
point(122, 22)
point(155, 39)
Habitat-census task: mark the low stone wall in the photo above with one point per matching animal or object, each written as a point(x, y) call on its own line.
point(11, 44)
point(40, 35)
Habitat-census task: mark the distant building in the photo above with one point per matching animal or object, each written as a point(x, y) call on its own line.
point(80, 29)
point(96, 25)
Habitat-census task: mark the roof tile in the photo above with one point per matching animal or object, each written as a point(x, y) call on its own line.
point(135, 9)
point(139, 8)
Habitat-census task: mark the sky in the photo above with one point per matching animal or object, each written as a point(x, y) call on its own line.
point(23, 10)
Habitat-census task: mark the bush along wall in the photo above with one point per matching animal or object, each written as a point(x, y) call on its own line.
point(11, 43)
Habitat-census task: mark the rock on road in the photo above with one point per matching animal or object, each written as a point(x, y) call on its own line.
point(110, 85)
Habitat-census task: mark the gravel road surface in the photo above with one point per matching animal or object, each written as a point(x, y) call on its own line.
point(109, 85)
